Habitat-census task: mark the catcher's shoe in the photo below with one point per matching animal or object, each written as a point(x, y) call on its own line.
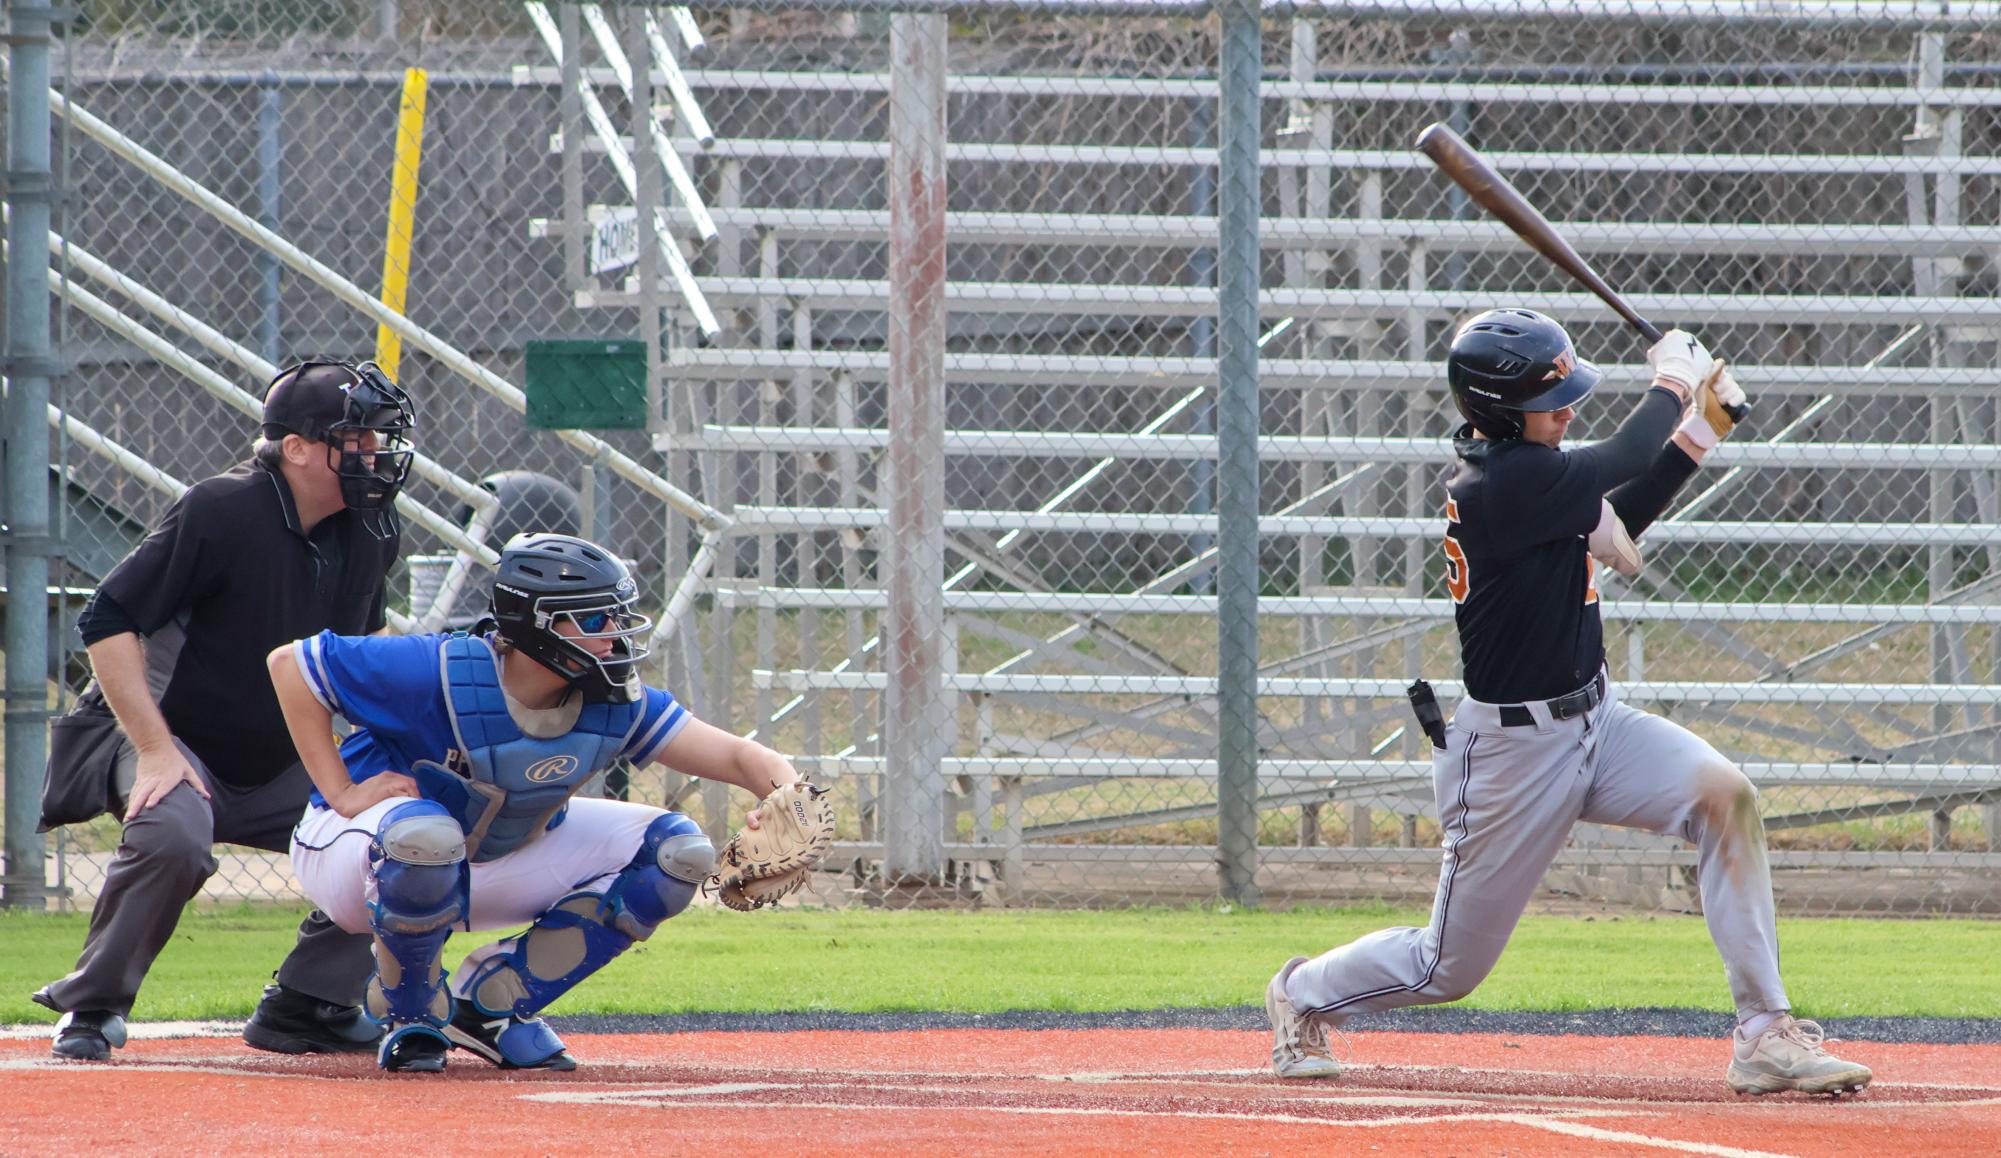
point(88, 1035)
point(512, 1043)
point(1298, 1042)
point(288, 1021)
point(414, 1049)
point(1788, 1055)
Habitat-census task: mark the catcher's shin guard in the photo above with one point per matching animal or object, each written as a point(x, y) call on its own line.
point(420, 890)
point(581, 933)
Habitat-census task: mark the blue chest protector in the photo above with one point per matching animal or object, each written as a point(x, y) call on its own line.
point(515, 786)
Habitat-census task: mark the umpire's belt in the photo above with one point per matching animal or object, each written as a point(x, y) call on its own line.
point(1561, 708)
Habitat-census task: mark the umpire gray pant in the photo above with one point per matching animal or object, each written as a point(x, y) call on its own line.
point(165, 855)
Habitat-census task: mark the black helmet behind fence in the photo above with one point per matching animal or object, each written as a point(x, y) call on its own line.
point(1507, 362)
point(548, 582)
point(525, 502)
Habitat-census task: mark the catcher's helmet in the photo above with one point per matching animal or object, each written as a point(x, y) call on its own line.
point(1505, 362)
point(545, 581)
point(327, 400)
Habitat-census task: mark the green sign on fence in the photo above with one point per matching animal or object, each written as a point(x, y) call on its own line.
point(586, 384)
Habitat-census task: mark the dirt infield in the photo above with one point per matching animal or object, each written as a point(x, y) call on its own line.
point(976, 1091)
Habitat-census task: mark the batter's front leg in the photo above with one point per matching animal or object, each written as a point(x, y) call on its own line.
point(1506, 801)
point(1653, 774)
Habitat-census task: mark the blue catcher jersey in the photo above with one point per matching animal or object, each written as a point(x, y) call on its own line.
point(393, 690)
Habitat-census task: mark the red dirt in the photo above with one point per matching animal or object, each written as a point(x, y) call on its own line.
point(1153, 1092)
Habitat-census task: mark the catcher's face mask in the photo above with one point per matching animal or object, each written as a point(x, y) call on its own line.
point(569, 605)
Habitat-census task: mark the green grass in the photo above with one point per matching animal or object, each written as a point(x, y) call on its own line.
point(866, 960)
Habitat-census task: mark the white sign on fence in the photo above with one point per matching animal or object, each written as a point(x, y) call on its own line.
point(615, 239)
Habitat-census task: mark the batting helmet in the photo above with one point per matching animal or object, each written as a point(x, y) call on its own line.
point(1507, 362)
point(546, 581)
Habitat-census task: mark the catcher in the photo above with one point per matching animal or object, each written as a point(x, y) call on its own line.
point(451, 805)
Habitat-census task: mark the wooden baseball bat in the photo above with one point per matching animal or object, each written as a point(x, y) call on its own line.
point(1471, 172)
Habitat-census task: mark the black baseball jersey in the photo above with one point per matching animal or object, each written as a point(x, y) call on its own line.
point(1516, 564)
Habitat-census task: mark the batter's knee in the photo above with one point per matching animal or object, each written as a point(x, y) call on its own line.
point(1457, 977)
point(1723, 796)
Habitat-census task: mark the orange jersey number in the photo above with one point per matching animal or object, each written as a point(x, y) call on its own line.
point(1456, 580)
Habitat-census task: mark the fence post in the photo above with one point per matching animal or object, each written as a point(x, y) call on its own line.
point(1237, 456)
point(916, 728)
point(29, 366)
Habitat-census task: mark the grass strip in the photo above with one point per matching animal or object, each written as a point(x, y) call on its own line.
point(979, 962)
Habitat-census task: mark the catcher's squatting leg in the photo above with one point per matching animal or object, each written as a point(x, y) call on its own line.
point(581, 933)
point(418, 861)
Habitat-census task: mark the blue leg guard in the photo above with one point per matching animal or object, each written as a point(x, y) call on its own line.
point(582, 932)
point(421, 889)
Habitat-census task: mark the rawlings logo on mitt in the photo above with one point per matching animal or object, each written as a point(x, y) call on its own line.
point(761, 865)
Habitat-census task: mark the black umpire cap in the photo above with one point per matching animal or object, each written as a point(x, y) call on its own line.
point(312, 398)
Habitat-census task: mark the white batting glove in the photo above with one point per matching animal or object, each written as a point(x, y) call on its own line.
point(1611, 545)
point(1680, 362)
point(1708, 420)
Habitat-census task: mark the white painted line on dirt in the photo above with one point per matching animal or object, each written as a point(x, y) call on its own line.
point(619, 1097)
point(598, 1097)
point(1580, 1130)
point(136, 1030)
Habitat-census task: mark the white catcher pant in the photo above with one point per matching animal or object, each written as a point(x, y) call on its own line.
point(1507, 798)
point(593, 844)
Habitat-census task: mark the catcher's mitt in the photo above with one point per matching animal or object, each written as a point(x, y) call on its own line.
point(761, 865)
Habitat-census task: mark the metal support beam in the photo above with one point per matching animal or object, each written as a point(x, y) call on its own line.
point(1237, 456)
point(30, 364)
point(916, 730)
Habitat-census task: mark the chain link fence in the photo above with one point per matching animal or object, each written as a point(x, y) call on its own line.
point(939, 328)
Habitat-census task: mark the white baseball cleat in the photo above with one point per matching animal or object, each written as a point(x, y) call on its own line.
point(1298, 1043)
point(1788, 1056)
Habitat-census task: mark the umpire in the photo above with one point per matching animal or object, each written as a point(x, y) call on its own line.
point(298, 539)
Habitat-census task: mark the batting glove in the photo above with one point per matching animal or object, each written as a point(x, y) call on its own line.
point(1679, 362)
point(1709, 420)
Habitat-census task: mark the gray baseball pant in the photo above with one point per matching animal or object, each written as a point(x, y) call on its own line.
point(164, 856)
point(1507, 797)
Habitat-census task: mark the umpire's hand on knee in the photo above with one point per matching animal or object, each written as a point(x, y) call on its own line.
point(160, 771)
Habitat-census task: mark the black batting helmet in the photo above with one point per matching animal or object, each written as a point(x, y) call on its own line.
point(1510, 361)
point(546, 581)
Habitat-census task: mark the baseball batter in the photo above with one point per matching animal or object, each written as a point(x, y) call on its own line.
point(1541, 739)
point(450, 805)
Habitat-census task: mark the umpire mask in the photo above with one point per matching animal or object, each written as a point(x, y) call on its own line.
point(364, 418)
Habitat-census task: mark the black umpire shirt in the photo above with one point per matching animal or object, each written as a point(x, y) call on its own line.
point(227, 576)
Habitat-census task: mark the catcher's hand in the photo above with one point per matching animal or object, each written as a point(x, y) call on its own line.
point(760, 865)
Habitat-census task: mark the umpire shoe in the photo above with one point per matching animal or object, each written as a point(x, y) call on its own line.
point(1788, 1055)
point(288, 1021)
point(1298, 1042)
point(88, 1035)
point(512, 1043)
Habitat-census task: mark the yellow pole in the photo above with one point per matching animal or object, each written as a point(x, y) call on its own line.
point(402, 214)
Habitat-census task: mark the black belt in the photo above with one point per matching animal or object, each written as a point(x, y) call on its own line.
point(1561, 708)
